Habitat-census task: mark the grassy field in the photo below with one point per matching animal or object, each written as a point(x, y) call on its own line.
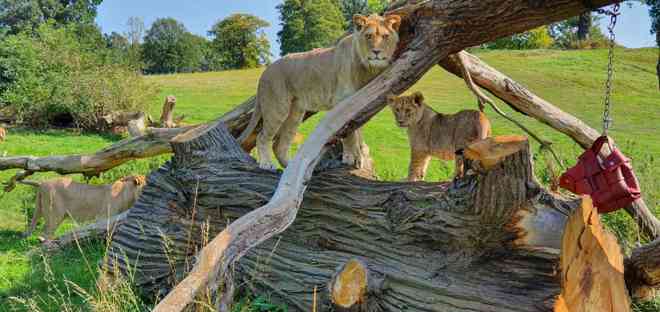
point(573, 80)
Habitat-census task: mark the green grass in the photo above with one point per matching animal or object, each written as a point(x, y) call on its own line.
point(573, 80)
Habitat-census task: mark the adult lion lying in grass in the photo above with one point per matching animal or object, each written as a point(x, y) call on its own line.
point(434, 134)
point(59, 198)
point(317, 80)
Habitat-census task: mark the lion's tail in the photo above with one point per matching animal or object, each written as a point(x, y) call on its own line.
point(254, 121)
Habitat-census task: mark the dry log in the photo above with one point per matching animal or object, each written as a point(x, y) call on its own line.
point(591, 266)
point(438, 28)
point(485, 242)
point(643, 270)
point(167, 116)
point(523, 100)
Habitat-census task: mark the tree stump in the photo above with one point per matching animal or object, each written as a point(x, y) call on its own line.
point(484, 242)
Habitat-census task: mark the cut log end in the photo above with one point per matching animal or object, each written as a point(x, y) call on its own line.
point(352, 285)
point(591, 266)
point(349, 288)
point(491, 151)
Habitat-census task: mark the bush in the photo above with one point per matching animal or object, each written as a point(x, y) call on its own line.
point(538, 38)
point(50, 78)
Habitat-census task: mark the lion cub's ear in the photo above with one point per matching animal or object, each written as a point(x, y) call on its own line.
point(360, 21)
point(418, 98)
point(393, 21)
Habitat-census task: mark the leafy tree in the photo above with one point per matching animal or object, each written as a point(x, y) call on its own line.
point(49, 73)
point(364, 7)
point(18, 15)
point(567, 34)
point(308, 24)
point(538, 38)
point(239, 41)
point(169, 48)
point(654, 12)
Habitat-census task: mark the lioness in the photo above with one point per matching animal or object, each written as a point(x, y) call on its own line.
point(59, 198)
point(317, 80)
point(3, 134)
point(434, 134)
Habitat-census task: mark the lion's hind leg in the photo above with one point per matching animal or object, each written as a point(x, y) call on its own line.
point(275, 104)
point(286, 135)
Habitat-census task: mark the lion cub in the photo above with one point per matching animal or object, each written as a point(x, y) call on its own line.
point(62, 197)
point(434, 134)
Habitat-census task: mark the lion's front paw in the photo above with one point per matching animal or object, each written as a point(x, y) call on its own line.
point(267, 166)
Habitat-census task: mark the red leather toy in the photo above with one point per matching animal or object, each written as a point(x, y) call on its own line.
point(610, 182)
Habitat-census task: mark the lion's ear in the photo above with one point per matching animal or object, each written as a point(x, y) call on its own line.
point(419, 98)
point(393, 21)
point(360, 21)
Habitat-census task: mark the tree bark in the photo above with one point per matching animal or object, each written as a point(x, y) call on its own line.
point(591, 265)
point(643, 270)
point(526, 102)
point(167, 116)
point(423, 246)
point(584, 26)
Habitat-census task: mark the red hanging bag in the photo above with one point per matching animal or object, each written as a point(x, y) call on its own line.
point(610, 182)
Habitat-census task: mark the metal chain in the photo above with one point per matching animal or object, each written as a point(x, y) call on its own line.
point(614, 14)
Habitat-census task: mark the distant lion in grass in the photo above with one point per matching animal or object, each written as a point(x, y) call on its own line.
point(316, 81)
point(3, 134)
point(61, 198)
point(432, 134)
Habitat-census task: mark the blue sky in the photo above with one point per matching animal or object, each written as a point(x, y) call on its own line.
point(200, 15)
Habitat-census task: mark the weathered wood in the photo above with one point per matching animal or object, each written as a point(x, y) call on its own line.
point(523, 100)
point(431, 243)
point(643, 271)
point(167, 115)
point(591, 266)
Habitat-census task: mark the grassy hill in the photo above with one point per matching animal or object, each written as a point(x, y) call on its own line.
point(573, 80)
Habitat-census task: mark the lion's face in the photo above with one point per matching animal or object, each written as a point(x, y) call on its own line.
point(407, 109)
point(376, 39)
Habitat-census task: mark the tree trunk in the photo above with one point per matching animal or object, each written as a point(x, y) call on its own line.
point(421, 246)
point(167, 116)
point(584, 26)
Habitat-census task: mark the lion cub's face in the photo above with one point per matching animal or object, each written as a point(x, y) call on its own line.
point(376, 38)
point(407, 109)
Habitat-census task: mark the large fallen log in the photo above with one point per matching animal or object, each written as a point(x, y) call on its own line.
point(486, 242)
point(438, 29)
